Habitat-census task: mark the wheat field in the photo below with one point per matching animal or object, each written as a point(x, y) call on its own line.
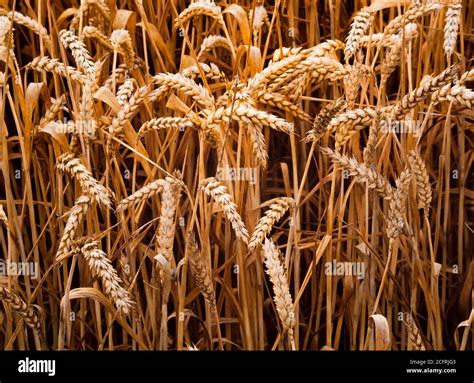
point(239, 175)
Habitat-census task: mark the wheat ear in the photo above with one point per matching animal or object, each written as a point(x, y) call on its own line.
point(281, 289)
point(410, 16)
point(3, 217)
point(457, 94)
point(141, 194)
point(397, 205)
point(99, 263)
point(428, 86)
point(451, 27)
point(359, 27)
point(422, 179)
point(265, 224)
point(212, 42)
point(199, 8)
point(170, 194)
point(200, 271)
point(362, 173)
point(218, 192)
point(414, 334)
point(54, 66)
point(69, 163)
point(165, 123)
point(76, 214)
point(122, 43)
point(259, 146)
point(26, 312)
point(79, 52)
point(322, 120)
